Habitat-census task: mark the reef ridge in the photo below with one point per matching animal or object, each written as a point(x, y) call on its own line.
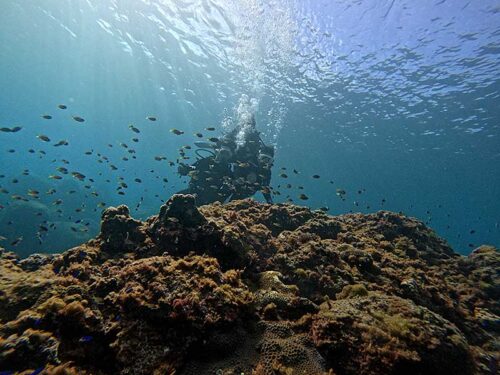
point(255, 289)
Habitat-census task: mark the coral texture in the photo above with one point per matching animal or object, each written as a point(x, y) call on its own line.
point(251, 288)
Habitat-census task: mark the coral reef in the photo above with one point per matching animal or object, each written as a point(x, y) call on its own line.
point(251, 288)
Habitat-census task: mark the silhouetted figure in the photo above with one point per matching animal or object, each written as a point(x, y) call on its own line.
point(238, 165)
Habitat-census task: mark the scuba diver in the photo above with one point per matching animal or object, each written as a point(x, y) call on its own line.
point(236, 167)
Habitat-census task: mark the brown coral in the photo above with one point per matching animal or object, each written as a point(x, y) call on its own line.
point(252, 288)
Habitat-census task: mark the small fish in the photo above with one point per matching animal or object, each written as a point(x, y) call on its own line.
point(47, 117)
point(43, 138)
point(62, 170)
point(176, 131)
point(283, 175)
point(303, 197)
point(295, 171)
point(86, 339)
point(15, 129)
point(17, 241)
point(199, 135)
point(78, 175)
point(151, 118)
point(213, 139)
point(62, 106)
point(62, 142)
point(138, 180)
point(316, 176)
point(55, 177)
point(324, 208)
point(211, 129)
point(134, 129)
point(33, 193)
point(101, 204)
point(78, 119)
point(340, 192)
point(135, 140)
point(57, 202)
point(5, 130)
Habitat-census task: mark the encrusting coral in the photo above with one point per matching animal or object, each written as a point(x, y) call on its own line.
point(251, 288)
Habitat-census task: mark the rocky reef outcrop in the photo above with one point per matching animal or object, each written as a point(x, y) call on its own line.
point(251, 288)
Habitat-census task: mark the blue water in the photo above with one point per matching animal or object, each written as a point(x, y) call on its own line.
point(397, 100)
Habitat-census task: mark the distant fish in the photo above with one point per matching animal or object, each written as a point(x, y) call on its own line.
point(15, 129)
point(303, 197)
point(43, 138)
point(62, 142)
point(62, 170)
point(78, 175)
point(17, 241)
point(86, 339)
point(210, 129)
point(151, 118)
point(78, 119)
point(62, 106)
point(47, 117)
point(33, 193)
point(199, 135)
point(316, 176)
point(340, 192)
point(55, 177)
point(176, 131)
point(134, 129)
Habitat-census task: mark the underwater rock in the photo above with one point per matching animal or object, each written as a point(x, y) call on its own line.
point(119, 231)
point(181, 207)
point(252, 288)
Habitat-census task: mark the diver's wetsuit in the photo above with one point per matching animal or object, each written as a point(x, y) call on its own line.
point(250, 174)
point(233, 172)
point(208, 181)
